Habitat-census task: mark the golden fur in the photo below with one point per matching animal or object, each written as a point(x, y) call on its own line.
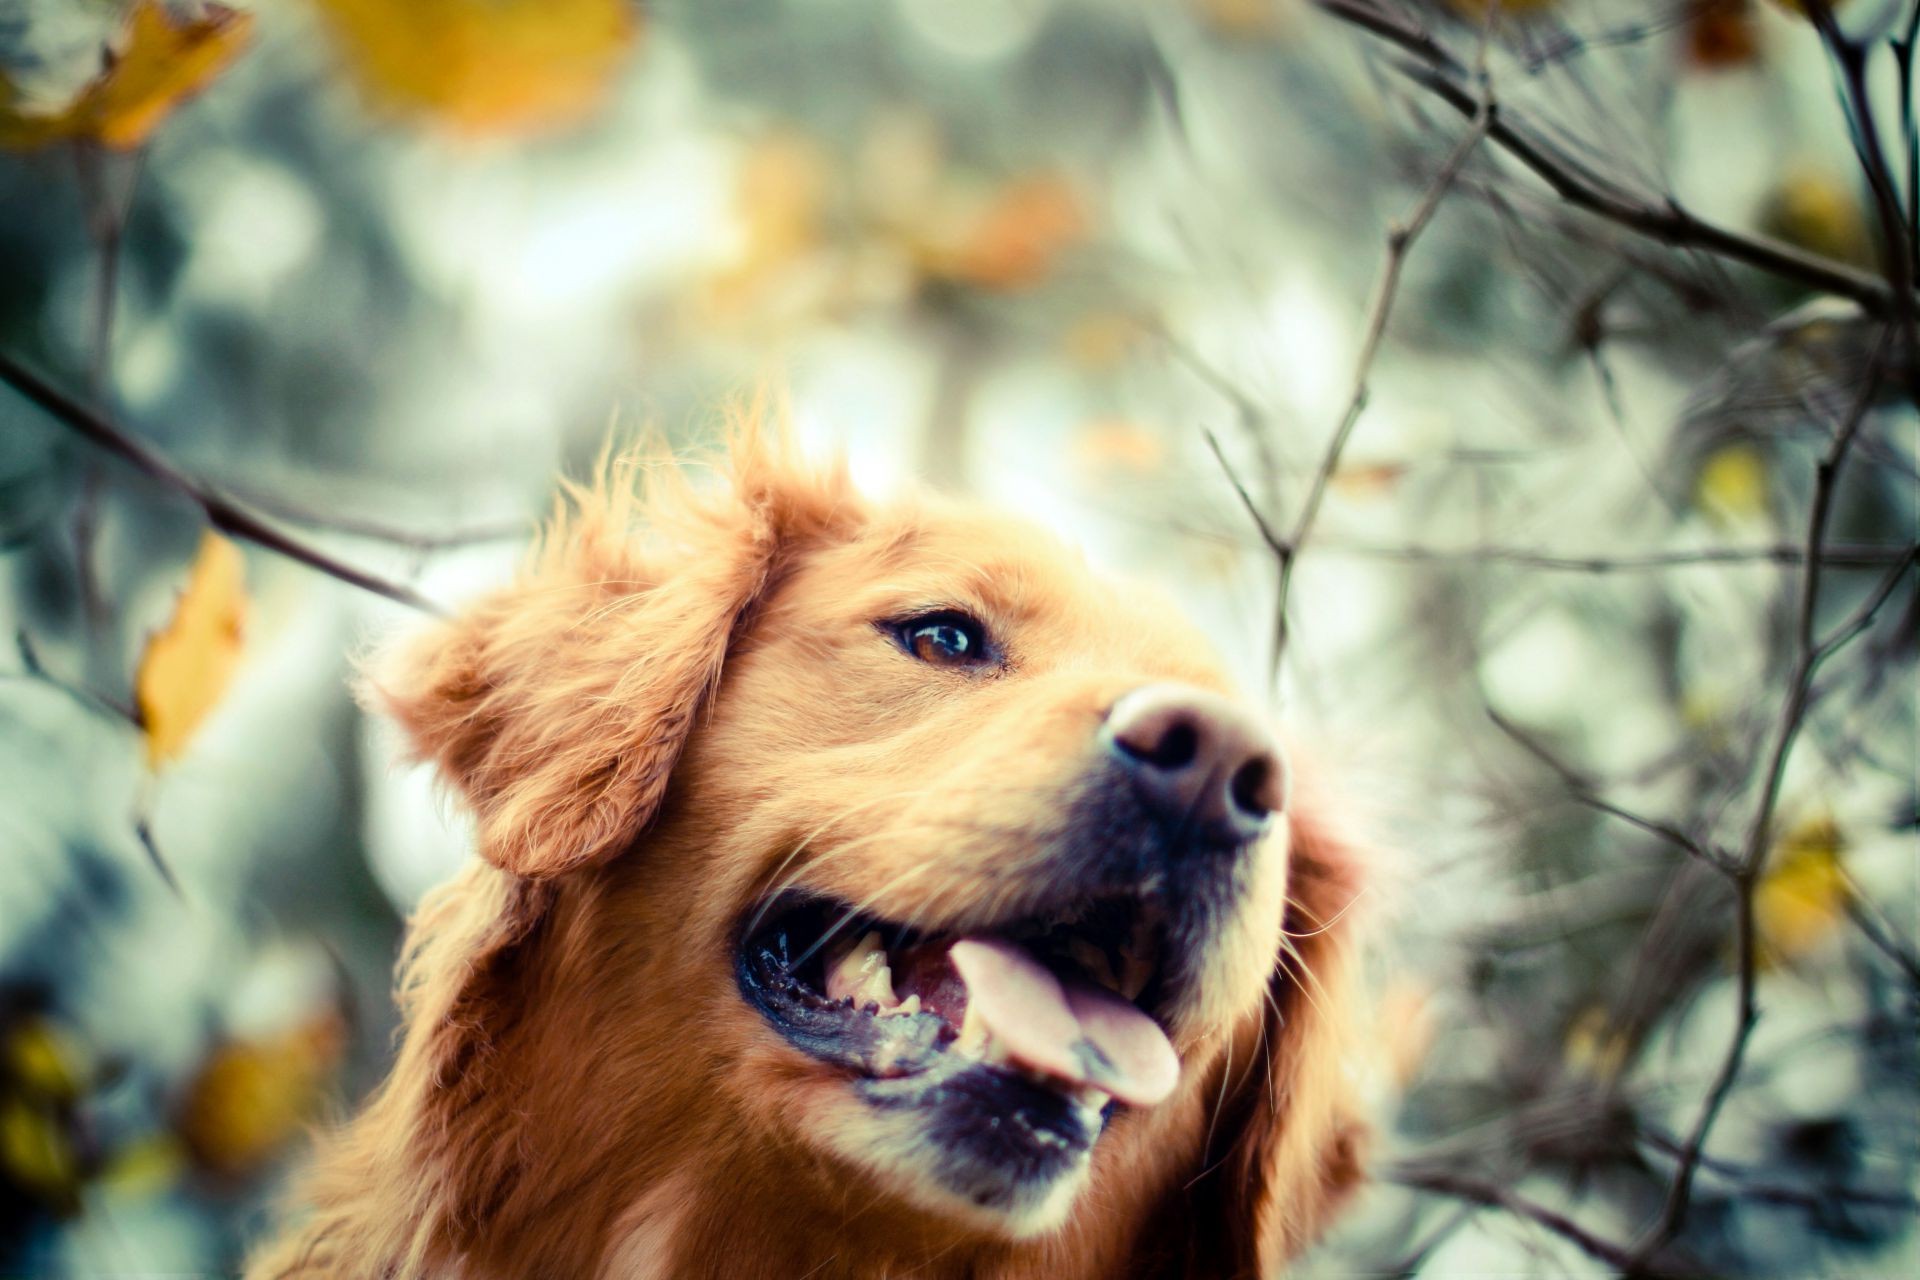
point(679, 705)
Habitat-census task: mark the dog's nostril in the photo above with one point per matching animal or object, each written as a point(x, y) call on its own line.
point(1197, 759)
point(1175, 748)
point(1248, 787)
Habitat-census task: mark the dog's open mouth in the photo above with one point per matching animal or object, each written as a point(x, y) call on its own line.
point(1056, 1001)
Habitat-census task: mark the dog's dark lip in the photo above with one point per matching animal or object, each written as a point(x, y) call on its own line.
point(780, 970)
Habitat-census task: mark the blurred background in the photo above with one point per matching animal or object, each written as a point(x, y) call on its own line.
point(1522, 392)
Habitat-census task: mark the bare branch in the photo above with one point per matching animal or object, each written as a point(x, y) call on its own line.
point(1583, 790)
point(1497, 1197)
point(32, 668)
point(1746, 872)
point(1659, 218)
point(1400, 239)
point(222, 512)
point(354, 526)
point(1833, 556)
point(143, 832)
point(1751, 1187)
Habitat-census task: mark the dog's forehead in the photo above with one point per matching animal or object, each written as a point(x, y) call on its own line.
point(1034, 589)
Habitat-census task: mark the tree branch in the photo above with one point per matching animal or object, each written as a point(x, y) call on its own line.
point(1400, 239)
point(1496, 1197)
point(1659, 218)
point(1751, 863)
point(221, 512)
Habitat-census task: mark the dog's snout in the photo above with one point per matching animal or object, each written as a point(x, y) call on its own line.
point(1198, 758)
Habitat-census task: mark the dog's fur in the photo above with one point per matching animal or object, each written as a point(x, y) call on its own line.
point(684, 702)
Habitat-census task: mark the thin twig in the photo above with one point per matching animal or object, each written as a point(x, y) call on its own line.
point(1897, 248)
point(143, 831)
point(1400, 239)
point(106, 222)
point(1497, 1197)
point(222, 512)
point(371, 530)
point(1752, 1187)
point(1583, 791)
point(1835, 556)
point(1745, 874)
point(1660, 218)
point(32, 668)
point(1867, 919)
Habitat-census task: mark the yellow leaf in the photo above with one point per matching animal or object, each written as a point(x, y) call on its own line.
point(36, 1152)
point(1732, 483)
point(158, 62)
point(1803, 895)
point(1815, 209)
point(188, 663)
point(1594, 1046)
point(44, 1059)
point(779, 195)
point(251, 1096)
point(484, 67)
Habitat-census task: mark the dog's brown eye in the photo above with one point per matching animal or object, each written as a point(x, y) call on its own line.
point(945, 640)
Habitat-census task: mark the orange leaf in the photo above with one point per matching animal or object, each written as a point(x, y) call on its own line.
point(158, 63)
point(188, 664)
point(1360, 480)
point(1016, 239)
point(1114, 444)
point(480, 67)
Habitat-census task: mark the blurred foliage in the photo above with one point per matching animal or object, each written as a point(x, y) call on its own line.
point(374, 274)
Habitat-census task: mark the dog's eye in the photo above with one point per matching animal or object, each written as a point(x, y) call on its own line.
point(945, 639)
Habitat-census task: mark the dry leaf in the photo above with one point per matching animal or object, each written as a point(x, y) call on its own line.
point(484, 67)
point(1242, 19)
point(1016, 238)
point(1722, 33)
point(1803, 896)
point(37, 1153)
point(188, 664)
point(1107, 445)
point(1595, 1046)
point(158, 62)
point(251, 1096)
point(1363, 480)
point(1816, 210)
point(779, 195)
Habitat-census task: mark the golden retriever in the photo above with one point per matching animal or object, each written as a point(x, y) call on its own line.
point(865, 890)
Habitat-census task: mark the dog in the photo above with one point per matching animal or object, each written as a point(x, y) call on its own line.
point(864, 889)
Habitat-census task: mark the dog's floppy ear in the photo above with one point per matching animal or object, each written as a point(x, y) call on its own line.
point(1288, 1135)
point(559, 706)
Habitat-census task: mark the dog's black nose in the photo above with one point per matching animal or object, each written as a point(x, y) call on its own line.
point(1198, 759)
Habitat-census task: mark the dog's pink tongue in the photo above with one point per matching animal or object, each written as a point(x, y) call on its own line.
point(1075, 1030)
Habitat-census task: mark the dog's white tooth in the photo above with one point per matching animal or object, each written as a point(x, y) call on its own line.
point(1092, 1097)
point(910, 1005)
point(973, 1036)
point(863, 975)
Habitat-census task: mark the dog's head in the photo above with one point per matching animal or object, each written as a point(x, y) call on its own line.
point(892, 843)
